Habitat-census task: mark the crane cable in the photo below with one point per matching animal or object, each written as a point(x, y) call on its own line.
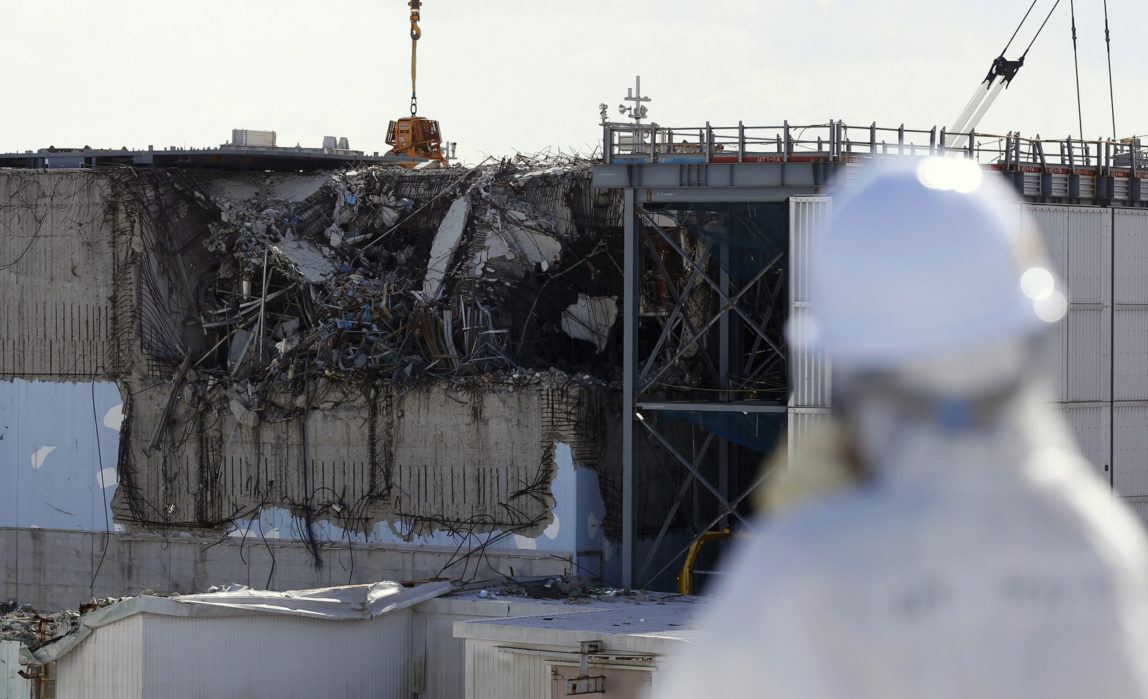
point(1076, 65)
point(1038, 31)
point(1017, 30)
point(1111, 96)
point(416, 33)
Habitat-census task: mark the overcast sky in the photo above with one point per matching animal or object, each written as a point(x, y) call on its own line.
point(505, 77)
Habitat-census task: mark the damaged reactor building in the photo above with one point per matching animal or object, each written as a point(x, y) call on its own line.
point(293, 379)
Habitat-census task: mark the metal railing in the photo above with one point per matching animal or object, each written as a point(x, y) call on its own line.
point(835, 141)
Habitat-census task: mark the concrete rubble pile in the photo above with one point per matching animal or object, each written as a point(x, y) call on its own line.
point(367, 286)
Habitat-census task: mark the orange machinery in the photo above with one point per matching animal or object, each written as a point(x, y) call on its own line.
point(415, 136)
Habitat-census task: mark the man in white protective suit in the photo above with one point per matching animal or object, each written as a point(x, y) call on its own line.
point(973, 552)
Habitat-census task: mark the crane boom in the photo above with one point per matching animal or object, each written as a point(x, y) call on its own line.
point(999, 76)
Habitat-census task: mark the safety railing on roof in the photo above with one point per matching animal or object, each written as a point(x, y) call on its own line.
point(837, 142)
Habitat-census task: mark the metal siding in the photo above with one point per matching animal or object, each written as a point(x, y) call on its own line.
point(1052, 358)
point(809, 370)
point(1139, 507)
point(1130, 355)
point(109, 663)
point(12, 685)
point(800, 422)
point(1090, 425)
point(1130, 232)
point(150, 655)
point(1053, 224)
point(1089, 254)
point(496, 673)
point(1089, 354)
point(1130, 449)
point(806, 216)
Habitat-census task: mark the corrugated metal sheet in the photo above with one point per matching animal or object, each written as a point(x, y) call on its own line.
point(1090, 425)
point(110, 663)
point(809, 371)
point(1130, 353)
point(1053, 224)
point(493, 672)
point(806, 216)
point(12, 685)
point(1139, 507)
point(444, 656)
point(1130, 448)
point(799, 423)
point(1121, 186)
point(1089, 353)
point(1130, 232)
point(1089, 254)
point(1053, 359)
point(149, 655)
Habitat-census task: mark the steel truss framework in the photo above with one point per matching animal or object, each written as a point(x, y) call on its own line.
point(705, 302)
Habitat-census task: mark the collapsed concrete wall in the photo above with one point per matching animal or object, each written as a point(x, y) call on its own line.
point(337, 349)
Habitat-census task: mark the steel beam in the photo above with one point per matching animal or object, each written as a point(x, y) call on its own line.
point(707, 407)
point(630, 302)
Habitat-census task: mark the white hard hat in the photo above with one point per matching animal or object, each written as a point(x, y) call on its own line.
point(925, 258)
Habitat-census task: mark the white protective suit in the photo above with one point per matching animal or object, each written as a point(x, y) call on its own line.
point(987, 564)
point(981, 558)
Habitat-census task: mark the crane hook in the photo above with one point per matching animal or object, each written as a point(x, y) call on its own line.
point(416, 33)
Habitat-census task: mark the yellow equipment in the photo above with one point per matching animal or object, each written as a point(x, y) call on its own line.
point(415, 136)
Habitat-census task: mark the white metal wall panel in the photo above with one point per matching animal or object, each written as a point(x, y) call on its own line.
point(809, 371)
point(109, 663)
point(1139, 507)
point(1130, 232)
point(492, 672)
point(799, 423)
point(1130, 448)
point(1130, 353)
point(12, 685)
point(1053, 360)
point(1089, 354)
point(276, 657)
point(1121, 186)
point(1090, 425)
point(1089, 254)
point(1053, 224)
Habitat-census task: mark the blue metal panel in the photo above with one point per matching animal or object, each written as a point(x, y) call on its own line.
point(51, 469)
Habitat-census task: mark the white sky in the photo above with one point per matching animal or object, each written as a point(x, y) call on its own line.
point(506, 77)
